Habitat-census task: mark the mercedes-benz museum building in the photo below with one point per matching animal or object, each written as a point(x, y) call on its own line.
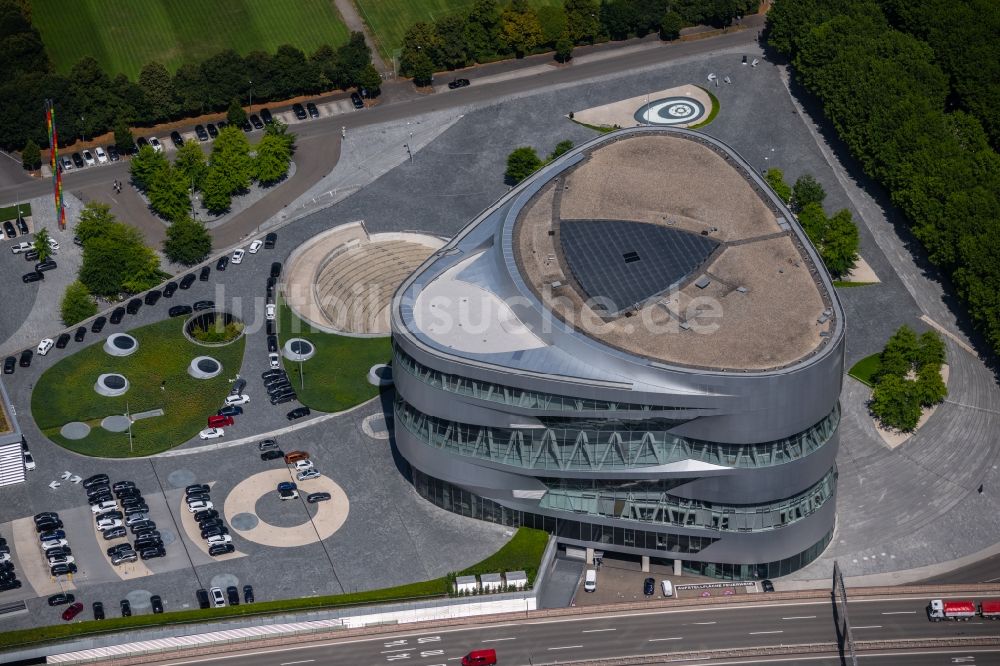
point(636, 349)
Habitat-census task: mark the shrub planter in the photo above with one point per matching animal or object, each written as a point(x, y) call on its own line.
point(111, 385)
point(213, 328)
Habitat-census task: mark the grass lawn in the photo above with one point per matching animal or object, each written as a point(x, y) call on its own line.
point(390, 19)
point(844, 284)
point(10, 212)
point(124, 35)
point(336, 378)
point(523, 552)
point(865, 369)
point(65, 392)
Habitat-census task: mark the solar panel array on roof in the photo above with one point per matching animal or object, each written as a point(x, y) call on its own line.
point(625, 263)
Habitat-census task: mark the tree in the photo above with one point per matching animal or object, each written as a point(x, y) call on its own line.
point(190, 163)
point(77, 304)
point(353, 57)
point(41, 244)
point(157, 88)
point(521, 163)
point(930, 350)
point(930, 389)
point(188, 241)
point(898, 355)
point(482, 29)
point(124, 141)
point(169, 195)
point(231, 160)
point(453, 41)
point(94, 220)
point(370, 80)
point(671, 25)
point(807, 190)
point(520, 28)
point(215, 194)
point(272, 160)
point(552, 20)
point(894, 403)
point(420, 68)
point(564, 48)
point(776, 179)
point(117, 261)
point(582, 20)
point(236, 116)
point(841, 243)
point(279, 130)
point(420, 44)
point(145, 165)
point(31, 156)
point(561, 148)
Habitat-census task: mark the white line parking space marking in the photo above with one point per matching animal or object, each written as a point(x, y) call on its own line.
point(396, 650)
point(428, 639)
point(756, 633)
point(800, 617)
point(899, 612)
point(871, 626)
point(566, 647)
point(703, 623)
point(304, 661)
point(672, 638)
point(497, 640)
point(596, 631)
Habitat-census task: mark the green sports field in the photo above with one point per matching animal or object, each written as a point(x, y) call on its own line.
point(123, 35)
point(389, 19)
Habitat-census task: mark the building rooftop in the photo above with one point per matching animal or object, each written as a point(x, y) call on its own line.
point(663, 246)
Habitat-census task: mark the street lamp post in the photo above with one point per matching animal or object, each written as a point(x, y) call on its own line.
point(83, 130)
point(251, 97)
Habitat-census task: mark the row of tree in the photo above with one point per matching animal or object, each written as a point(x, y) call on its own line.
point(90, 102)
point(908, 379)
point(490, 30)
point(885, 93)
point(835, 238)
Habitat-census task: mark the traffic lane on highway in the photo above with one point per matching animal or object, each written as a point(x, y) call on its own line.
point(625, 634)
point(983, 571)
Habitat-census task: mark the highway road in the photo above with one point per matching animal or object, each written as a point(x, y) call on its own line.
point(983, 571)
point(633, 633)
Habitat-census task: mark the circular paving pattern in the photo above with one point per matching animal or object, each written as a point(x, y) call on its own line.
point(671, 111)
point(167, 536)
point(224, 580)
point(271, 510)
point(111, 385)
point(204, 367)
point(329, 517)
point(375, 426)
point(244, 521)
point(75, 430)
point(181, 478)
point(115, 423)
point(298, 349)
point(121, 344)
point(138, 599)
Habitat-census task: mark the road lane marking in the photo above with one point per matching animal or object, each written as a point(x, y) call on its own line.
point(899, 612)
point(396, 650)
point(566, 647)
point(497, 640)
point(428, 639)
point(800, 617)
point(672, 638)
point(703, 623)
point(304, 661)
point(871, 626)
point(756, 633)
point(596, 631)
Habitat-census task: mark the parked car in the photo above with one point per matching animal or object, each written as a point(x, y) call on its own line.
point(77, 160)
point(207, 514)
point(230, 410)
point(31, 255)
point(649, 587)
point(9, 364)
point(155, 144)
point(303, 465)
point(132, 307)
point(98, 610)
point(458, 83)
point(117, 315)
point(267, 445)
point(221, 264)
point(248, 594)
point(72, 611)
point(214, 530)
point(357, 101)
point(126, 608)
point(298, 413)
point(152, 296)
point(307, 475)
point(218, 599)
point(176, 139)
point(98, 324)
point(271, 455)
point(88, 158)
point(113, 154)
point(313, 498)
point(47, 265)
point(197, 488)
point(234, 595)
point(152, 553)
point(114, 533)
point(63, 340)
point(256, 121)
point(80, 333)
point(283, 397)
point(272, 343)
point(212, 433)
point(270, 241)
point(202, 596)
point(187, 281)
point(274, 360)
point(169, 289)
point(104, 506)
point(102, 157)
point(20, 248)
point(61, 598)
point(218, 538)
point(65, 164)
point(33, 276)
point(179, 310)
point(121, 486)
point(212, 130)
point(29, 462)
point(300, 111)
point(276, 269)
point(265, 115)
point(255, 246)
point(8, 228)
point(45, 345)
point(200, 132)
point(767, 585)
point(313, 111)
point(205, 272)
point(237, 399)
point(195, 507)
point(238, 256)
point(95, 480)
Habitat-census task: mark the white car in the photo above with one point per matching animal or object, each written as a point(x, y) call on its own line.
point(303, 465)
point(288, 494)
point(219, 538)
point(274, 360)
point(237, 400)
point(201, 505)
point(104, 506)
point(269, 311)
point(29, 461)
point(61, 559)
point(308, 474)
point(105, 524)
point(218, 599)
point(44, 346)
point(20, 247)
point(238, 256)
point(102, 157)
point(88, 159)
point(54, 543)
point(4, 557)
point(155, 144)
point(53, 244)
point(211, 433)
point(256, 245)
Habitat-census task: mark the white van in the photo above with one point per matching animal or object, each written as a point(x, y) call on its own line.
point(590, 580)
point(667, 587)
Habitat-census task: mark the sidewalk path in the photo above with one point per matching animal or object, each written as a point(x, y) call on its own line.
point(352, 18)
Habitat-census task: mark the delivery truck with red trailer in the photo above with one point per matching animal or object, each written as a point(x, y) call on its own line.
point(990, 609)
point(939, 609)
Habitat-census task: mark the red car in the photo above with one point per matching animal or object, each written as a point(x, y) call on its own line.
point(72, 611)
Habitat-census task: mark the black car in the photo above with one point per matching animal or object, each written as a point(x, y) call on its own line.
point(271, 281)
point(148, 542)
point(98, 324)
point(149, 554)
point(272, 343)
point(63, 340)
point(10, 585)
point(98, 606)
point(197, 488)
point(283, 398)
point(45, 515)
point(313, 111)
point(99, 497)
point(9, 229)
point(113, 154)
point(143, 525)
point(179, 310)
point(248, 594)
point(33, 276)
point(246, 126)
point(767, 584)
point(277, 386)
point(458, 83)
point(197, 497)
point(221, 264)
point(275, 269)
point(122, 547)
point(80, 333)
point(298, 413)
point(203, 601)
point(114, 533)
point(234, 595)
point(147, 534)
point(141, 142)
point(199, 130)
point(117, 315)
point(230, 410)
point(210, 523)
point(206, 514)
point(47, 265)
point(214, 530)
point(99, 489)
point(204, 305)
point(238, 385)
point(256, 121)
point(168, 291)
point(312, 498)
point(126, 608)
point(221, 549)
point(203, 275)
point(649, 587)
point(26, 358)
point(300, 111)
point(31, 255)
point(119, 486)
point(133, 306)
point(212, 130)
point(268, 374)
point(126, 492)
point(357, 101)
point(22, 226)
point(63, 569)
point(177, 139)
point(272, 455)
point(265, 115)
point(77, 161)
point(187, 281)
point(61, 598)
point(152, 297)
point(270, 240)
point(221, 124)
point(9, 364)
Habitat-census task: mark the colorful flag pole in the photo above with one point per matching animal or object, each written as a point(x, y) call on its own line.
point(57, 191)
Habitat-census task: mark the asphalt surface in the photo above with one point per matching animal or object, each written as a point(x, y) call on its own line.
point(983, 571)
point(628, 634)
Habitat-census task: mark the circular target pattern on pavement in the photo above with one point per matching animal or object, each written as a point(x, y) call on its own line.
point(179, 478)
point(671, 111)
